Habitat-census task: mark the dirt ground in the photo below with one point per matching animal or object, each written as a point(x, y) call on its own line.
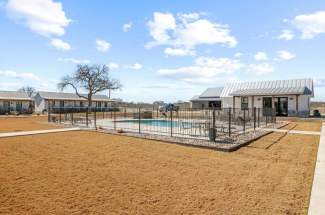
point(93, 173)
point(304, 126)
point(28, 123)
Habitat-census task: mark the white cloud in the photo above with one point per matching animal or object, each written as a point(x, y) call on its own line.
point(13, 74)
point(320, 82)
point(205, 70)
point(113, 65)
point(260, 56)
point(310, 24)
point(286, 35)
point(187, 33)
point(74, 61)
point(260, 69)
point(60, 44)
point(136, 66)
point(127, 26)
point(178, 52)
point(44, 17)
point(285, 55)
point(160, 25)
point(238, 55)
point(102, 45)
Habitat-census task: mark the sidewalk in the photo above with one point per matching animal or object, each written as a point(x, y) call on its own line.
point(25, 133)
point(317, 198)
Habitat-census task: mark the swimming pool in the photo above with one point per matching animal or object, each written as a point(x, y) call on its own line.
point(153, 122)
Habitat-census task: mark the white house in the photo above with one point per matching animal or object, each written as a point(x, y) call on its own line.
point(15, 101)
point(287, 97)
point(54, 99)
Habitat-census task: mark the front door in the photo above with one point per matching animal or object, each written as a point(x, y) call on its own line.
point(267, 106)
point(6, 106)
point(19, 107)
point(281, 106)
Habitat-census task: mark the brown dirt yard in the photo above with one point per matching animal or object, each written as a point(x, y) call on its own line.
point(28, 123)
point(94, 173)
point(304, 126)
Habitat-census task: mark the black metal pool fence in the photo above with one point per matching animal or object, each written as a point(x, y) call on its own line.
point(205, 124)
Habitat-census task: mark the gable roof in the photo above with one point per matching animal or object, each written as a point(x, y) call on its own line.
point(14, 95)
point(70, 96)
point(210, 94)
point(277, 87)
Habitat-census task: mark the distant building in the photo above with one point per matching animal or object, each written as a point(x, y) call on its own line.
point(53, 99)
point(15, 101)
point(286, 97)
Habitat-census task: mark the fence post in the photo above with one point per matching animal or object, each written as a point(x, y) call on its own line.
point(258, 117)
point(87, 116)
point(49, 113)
point(139, 119)
point(171, 122)
point(95, 117)
point(244, 123)
point(254, 117)
point(229, 122)
point(114, 120)
point(60, 115)
point(212, 131)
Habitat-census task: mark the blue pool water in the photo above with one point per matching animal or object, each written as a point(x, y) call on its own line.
point(153, 122)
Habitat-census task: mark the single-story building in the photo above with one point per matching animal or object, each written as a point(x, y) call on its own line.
point(14, 101)
point(58, 99)
point(286, 97)
point(209, 98)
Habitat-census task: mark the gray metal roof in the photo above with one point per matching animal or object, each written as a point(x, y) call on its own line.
point(70, 96)
point(277, 87)
point(271, 91)
point(212, 92)
point(14, 95)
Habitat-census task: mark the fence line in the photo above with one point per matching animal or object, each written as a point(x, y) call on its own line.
point(207, 124)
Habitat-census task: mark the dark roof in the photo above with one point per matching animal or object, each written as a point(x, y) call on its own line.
point(70, 96)
point(14, 95)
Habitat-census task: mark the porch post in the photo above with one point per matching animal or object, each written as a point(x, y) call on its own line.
point(233, 103)
point(252, 102)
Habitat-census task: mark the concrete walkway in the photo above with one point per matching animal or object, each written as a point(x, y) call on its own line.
point(25, 133)
point(317, 198)
point(292, 131)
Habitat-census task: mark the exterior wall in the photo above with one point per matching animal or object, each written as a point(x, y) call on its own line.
point(13, 105)
point(198, 105)
point(303, 103)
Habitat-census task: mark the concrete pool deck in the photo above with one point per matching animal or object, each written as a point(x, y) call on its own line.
point(317, 198)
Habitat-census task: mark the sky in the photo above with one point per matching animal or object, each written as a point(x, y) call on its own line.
point(162, 50)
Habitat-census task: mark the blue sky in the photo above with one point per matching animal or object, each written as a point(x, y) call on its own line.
point(162, 50)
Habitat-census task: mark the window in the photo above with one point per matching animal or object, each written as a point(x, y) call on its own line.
point(244, 102)
point(98, 104)
point(61, 103)
point(81, 104)
point(106, 104)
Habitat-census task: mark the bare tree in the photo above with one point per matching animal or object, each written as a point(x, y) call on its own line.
point(114, 85)
point(28, 90)
point(93, 79)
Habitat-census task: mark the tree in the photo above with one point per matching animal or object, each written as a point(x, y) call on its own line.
point(93, 79)
point(114, 85)
point(28, 90)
